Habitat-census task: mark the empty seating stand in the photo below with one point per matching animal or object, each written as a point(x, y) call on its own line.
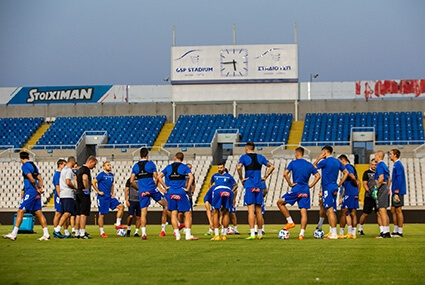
point(122, 130)
point(16, 131)
point(199, 130)
point(392, 127)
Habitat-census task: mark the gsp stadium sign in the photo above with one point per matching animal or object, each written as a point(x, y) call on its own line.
point(59, 95)
point(234, 64)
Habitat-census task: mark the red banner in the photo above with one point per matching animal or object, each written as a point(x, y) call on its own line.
point(381, 88)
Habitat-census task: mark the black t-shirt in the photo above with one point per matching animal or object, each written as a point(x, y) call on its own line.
point(369, 176)
point(83, 170)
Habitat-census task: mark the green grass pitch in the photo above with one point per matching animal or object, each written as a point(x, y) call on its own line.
point(163, 260)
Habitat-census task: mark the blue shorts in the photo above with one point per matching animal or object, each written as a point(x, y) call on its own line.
point(222, 198)
point(303, 199)
point(31, 202)
point(68, 205)
point(178, 200)
point(208, 196)
point(329, 194)
point(253, 196)
point(350, 202)
point(104, 204)
point(134, 208)
point(58, 206)
point(145, 197)
point(232, 209)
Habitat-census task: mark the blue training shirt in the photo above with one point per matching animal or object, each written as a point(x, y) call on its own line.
point(382, 169)
point(29, 168)
point(330, 169)
point(104, 183)
point(56, 178)
point(145, 183)
point(223, 179)
point(349, 185)
point(398, 181)
point(301, 171)
point(254, 176)
point(175, 182)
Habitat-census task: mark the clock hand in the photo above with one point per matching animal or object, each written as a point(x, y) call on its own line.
point(234, 65)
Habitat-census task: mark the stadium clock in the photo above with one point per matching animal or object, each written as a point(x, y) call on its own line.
point(234, 62)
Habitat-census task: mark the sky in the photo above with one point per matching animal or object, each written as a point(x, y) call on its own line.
point(102, 42)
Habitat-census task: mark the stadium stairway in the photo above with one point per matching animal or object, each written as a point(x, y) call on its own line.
point(205, 187)
point(37, 135)
point(295, 134)
point(361, 168)
point(163, 135)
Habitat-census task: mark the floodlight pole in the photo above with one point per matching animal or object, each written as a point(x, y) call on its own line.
point(298, 76)
point(174, 36)
point(234, 34)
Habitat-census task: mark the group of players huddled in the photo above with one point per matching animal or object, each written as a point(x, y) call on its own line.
point(173, 188)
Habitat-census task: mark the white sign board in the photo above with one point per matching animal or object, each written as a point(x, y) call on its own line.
point(234, 64)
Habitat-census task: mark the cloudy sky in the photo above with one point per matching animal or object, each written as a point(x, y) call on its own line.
point(54, 43)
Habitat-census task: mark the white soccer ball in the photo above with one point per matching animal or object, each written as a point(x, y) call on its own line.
point(121, 232)
point(318, 234)
point(283, 234)
point(230, 231)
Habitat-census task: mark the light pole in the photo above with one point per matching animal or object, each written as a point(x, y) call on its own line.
point(312, 76)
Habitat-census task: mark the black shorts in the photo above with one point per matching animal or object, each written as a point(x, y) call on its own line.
point(83, 203)
point(399, 203)
point(368, 205)
point(134, 208)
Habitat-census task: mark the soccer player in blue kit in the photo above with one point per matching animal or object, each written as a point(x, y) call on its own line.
point(222, 201)
point(147, 180)
point(56, 176)
point(31, 199)
point(330, 169)
point(300, 189)
point(398, 189)
point(103, 184)
point(382, 178)
point(177, 193)
point(252, 182)
point(350, 201)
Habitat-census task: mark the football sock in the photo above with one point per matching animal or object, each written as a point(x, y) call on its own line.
point(386, 229)
point(118, 221)
point(395, 229)
point(143, 231)
point(46, 232)
point(341, 231)
point(256, 228)
point(235, 228)
point(67, 232)
point(15, 231)
point(333, 231)
point(163, 227)
point(101, 230)
point(128, 228)
point(216, 232)
point(289, 219)
point(302, 232)
point(136, 231)
point(353, 231)
point(262, 228)
point(225, 231)
point(350, 229)
point(188, 234)
point(400, 230)
point(381, 229)
point(252, 232)
point(321, 220)
point(360, 227)
point(82, 232)
point(58, 229)
point(73, 230)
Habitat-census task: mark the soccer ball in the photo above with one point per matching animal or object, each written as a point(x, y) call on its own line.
point(121, 232)
point(230, 231)
point(284, 234)
point(318, 234)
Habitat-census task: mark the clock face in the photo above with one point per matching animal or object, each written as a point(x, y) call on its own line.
point(234, 62)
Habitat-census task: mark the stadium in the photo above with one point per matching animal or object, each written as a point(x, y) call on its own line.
point(216, 99)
